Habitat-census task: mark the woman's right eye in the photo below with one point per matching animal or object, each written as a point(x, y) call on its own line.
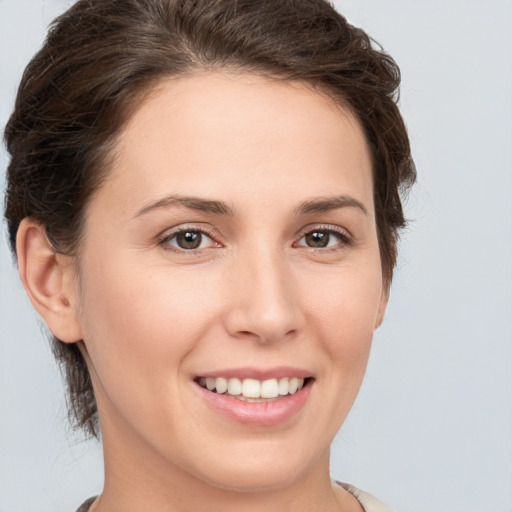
point(186, 240)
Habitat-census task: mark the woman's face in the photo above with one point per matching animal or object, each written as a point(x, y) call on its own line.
point(233, 244)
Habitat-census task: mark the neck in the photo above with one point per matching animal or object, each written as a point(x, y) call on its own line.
point(141, 479)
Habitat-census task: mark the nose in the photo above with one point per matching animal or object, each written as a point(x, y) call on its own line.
point(264, 304)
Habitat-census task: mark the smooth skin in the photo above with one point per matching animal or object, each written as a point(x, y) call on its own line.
point(274, 182)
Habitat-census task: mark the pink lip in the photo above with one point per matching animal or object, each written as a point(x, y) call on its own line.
point(258, 373)
point(257, 413)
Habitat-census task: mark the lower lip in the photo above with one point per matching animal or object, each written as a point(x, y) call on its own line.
point(257, 413)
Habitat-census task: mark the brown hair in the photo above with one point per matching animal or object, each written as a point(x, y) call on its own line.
point(101, 55)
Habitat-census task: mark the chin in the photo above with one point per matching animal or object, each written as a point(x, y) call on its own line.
point(257, 474)
point(248, 480)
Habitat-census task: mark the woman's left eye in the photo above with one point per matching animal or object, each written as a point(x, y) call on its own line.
point(323, 239)
point(188, 240)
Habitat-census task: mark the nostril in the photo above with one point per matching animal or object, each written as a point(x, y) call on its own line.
point(264, 305)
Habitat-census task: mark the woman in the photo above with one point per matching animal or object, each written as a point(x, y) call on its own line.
point(204, 202)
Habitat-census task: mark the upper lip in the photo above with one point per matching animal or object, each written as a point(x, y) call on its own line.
point(251, 372)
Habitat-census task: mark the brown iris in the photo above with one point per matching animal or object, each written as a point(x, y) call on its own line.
point(189, 239)
point(317, 238)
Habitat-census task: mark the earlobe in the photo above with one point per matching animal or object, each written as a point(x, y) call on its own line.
point(382, 306)
point(48, 279)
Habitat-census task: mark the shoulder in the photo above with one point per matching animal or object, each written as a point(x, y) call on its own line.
point(84, 507)
point(367, 501)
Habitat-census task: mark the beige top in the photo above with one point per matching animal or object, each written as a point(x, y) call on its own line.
point(368, 502)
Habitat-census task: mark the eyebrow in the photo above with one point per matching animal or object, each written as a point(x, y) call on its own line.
point(325, 204)
point(319, 205)
point(193, 203)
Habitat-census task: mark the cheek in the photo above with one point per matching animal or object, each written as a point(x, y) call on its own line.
point(133, 314)
point(139, 331)
point(136, 323)
point(142, 319)
point(346, 311)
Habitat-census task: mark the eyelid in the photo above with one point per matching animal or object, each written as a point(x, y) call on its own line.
point(171, 233)
point(346, 238)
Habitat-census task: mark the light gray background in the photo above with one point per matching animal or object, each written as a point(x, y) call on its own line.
point(432, 428)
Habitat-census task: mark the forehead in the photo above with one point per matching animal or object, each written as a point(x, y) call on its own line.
point(225, 134)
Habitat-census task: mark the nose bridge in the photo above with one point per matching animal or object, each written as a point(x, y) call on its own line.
point(264, 304)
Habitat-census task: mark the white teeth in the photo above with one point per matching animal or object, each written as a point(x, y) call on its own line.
point(221, 385)
point(293, 385)
point(269, 389)
point(234, 387)
point(253, 388)
point(283, 386)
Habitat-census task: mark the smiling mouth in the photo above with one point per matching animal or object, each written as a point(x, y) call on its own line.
point(253, 390)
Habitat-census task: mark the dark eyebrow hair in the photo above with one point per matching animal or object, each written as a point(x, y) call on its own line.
point(193, 203)
point(325, 204)
point(317, 205)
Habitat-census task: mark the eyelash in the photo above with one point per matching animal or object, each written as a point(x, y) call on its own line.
point(344, 239)
point(166, 238)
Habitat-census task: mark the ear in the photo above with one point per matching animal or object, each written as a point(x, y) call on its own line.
point(382, 305)
point(48, 279)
